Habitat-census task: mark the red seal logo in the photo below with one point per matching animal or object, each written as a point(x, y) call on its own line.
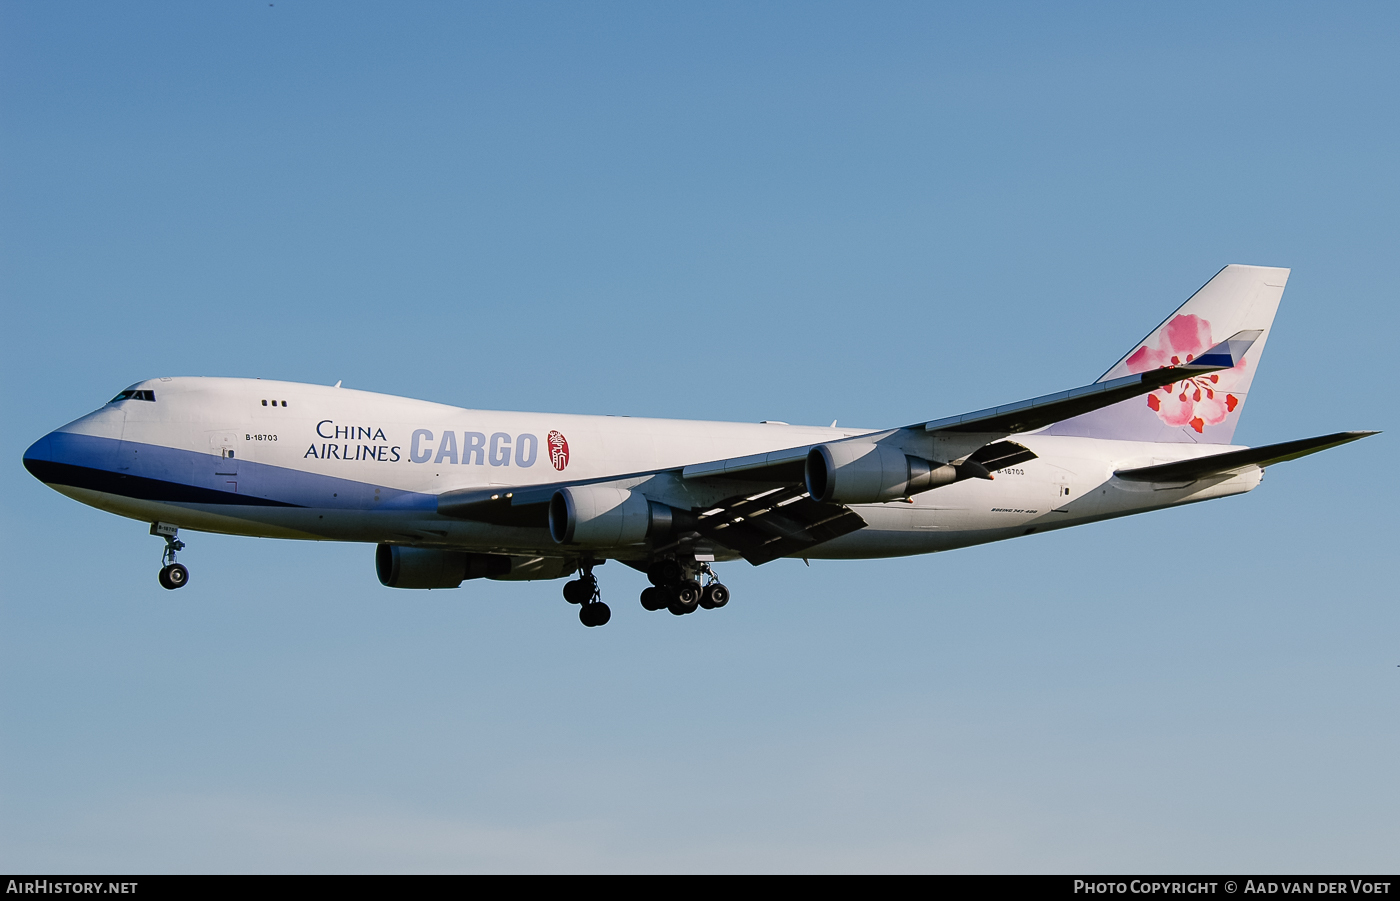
point(558, 450)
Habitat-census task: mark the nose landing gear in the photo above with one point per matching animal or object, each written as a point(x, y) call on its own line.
point(584, 592)
point(172, 575)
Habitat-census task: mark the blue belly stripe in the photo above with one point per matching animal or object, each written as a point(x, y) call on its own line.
point(122, 485)
point(156, 473)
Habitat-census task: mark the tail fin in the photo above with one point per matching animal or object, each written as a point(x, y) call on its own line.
point(1204, 409)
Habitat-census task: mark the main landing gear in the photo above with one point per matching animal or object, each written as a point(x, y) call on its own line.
point(584, 592)
point(172, 575)
point(675, 586)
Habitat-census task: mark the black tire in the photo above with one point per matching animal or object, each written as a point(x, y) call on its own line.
point(164, 583)
point(715, 596)
point(684, 598)
point(664, 572)
point(595, 614)
point(174, 576)
point(688, 594)
point(653, 598)
point(578, 591)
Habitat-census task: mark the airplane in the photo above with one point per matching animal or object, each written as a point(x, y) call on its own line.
point(448, 494)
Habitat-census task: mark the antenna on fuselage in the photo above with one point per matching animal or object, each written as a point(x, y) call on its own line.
point(338, 381)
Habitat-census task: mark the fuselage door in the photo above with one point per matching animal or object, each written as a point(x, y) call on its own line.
point(223, 446)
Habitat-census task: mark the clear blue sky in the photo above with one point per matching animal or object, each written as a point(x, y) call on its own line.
point(728, 211)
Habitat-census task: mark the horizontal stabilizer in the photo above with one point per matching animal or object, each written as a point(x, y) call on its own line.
point(1038, 412)
point(1216, 464)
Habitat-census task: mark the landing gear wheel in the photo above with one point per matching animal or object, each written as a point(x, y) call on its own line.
point(174, 576)
point(653, 598)
point(685, 598)
point(714, 596)
point(580, 591)
point(665, 572)
point(595, 614)
point(688, 593)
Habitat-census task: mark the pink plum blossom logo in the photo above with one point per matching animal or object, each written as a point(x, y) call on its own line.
point(1198, 401)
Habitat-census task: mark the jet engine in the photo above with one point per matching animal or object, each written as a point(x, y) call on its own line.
point(606, 516)
point(855, 472)
point(421, 567)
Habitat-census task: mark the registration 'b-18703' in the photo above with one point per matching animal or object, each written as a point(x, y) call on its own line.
point(449, 494)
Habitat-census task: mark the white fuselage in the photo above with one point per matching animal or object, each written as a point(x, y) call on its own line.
point(288, 460)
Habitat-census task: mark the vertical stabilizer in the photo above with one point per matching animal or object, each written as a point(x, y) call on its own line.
point(1204, 409)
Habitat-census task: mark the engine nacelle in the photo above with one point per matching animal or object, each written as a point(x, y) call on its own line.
point(421, 567)
point(604, 516)
point(855, 472)
point(531, 569)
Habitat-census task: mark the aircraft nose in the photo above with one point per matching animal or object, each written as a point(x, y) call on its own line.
point(39, 457)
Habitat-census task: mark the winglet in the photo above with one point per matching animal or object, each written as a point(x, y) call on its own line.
point(1227, 354)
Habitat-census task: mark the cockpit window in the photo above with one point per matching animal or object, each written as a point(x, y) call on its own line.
point(133, 394)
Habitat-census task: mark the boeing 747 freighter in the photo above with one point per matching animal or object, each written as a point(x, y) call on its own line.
point(448, 494)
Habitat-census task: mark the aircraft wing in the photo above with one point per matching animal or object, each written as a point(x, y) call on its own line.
point(1048, 409)
point(528, 507)
point(773, 523)
point(788, 464)
point(768, 522)
point(1218, 464)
